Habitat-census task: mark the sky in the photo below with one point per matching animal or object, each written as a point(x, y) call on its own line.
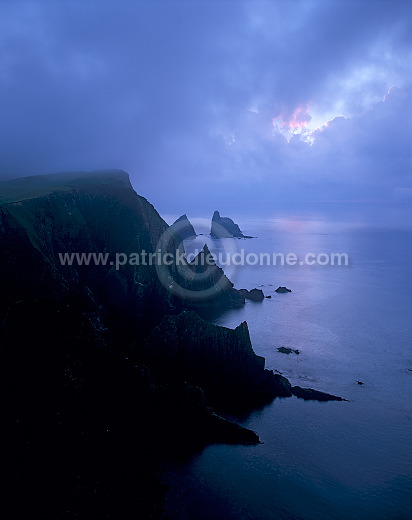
point(212, 103)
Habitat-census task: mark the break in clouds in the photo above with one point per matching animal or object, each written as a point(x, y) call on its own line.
point(259, 102)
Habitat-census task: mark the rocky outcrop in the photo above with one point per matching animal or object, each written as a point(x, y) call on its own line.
point(224, 227)
point(216, 358)
point(184, 228)
point(202, 281)
point(287, 350)
point(255, 295)
point(314, 395)
point(282, 289)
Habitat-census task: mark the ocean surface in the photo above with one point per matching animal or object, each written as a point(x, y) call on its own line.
point(318, 461)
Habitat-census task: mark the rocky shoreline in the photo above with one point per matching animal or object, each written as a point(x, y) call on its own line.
point(111, 363)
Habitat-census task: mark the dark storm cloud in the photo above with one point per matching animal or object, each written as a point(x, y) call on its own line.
point(182, 94)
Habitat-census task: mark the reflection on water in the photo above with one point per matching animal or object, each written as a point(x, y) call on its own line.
point(320, 460)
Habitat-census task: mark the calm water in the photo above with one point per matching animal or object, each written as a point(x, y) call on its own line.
point(319, 461)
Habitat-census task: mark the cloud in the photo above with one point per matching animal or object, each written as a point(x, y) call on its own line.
point(183, 94)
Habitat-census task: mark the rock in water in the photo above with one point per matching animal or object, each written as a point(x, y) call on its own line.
point(255, 295)
point(309, 394)
point(282, 289)
point(224, 227)
point(184, 228)
point(286, 350)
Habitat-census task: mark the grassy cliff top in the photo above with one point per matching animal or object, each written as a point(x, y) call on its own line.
point(24, 188)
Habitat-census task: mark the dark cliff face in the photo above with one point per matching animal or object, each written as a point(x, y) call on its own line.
point(86, 429)
point(198, 349)
point(220, 360)
point(96, 214)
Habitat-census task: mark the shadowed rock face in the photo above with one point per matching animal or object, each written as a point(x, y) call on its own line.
point(224, 227)
point(216, 358)
point(90, 426)
point(99, 213)
point(184, 228)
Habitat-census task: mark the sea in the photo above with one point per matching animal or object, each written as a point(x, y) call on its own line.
point(351, 323)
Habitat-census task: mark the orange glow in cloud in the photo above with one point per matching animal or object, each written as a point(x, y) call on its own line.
point(301, 123)
point(300, 118)
point(294, 124)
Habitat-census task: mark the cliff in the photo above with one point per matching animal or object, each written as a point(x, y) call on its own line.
point(91, 426)
point(74, 214)
point(220, 360)
point(91, 214)
point(104, 376)
point(86, 428)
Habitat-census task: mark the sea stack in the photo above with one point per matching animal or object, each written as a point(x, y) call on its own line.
point(204, 281)
point(224, 227)
point(184, 228)
point(282, 289)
